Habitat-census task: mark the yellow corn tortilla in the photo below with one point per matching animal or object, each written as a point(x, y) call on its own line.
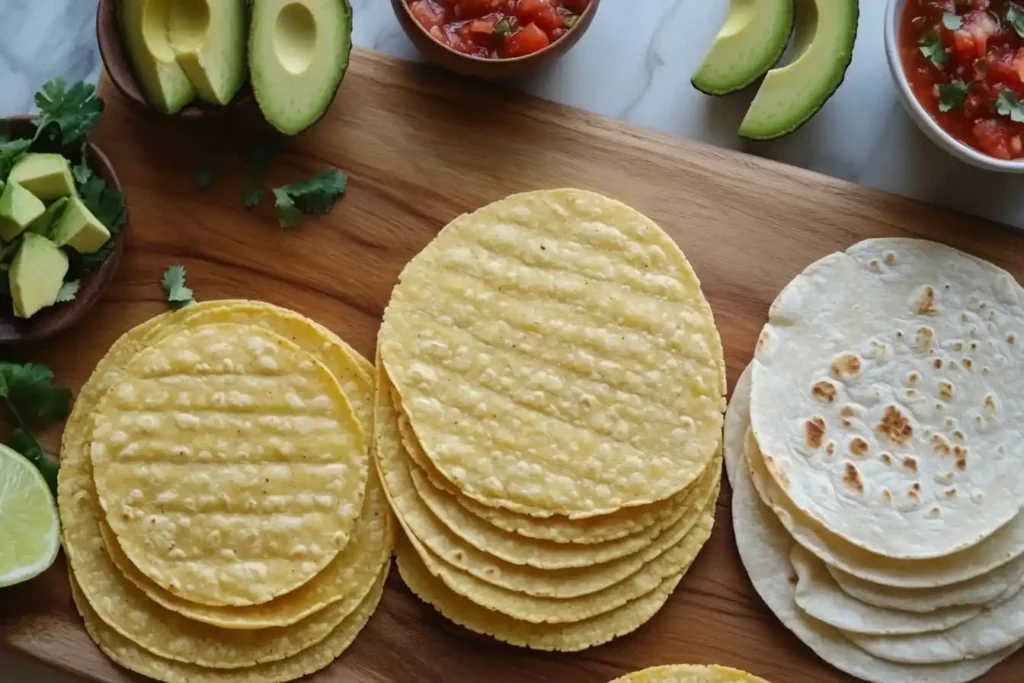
point(690, 673)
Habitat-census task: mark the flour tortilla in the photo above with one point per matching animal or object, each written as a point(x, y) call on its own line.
point(689, 673)
point(887, 397)
point(995, 629)
point(979, 591)
point(556, 356)
point(818, 595)
point(999, 549)
point(764, 548)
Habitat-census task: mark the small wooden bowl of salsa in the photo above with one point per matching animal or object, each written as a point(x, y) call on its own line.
point(960, 73)
point(494, 38)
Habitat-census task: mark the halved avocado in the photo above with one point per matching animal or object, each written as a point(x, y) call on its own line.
point(751, 41)
point(208, 39)
point(825, 33)
point(144, 29)
point(298, 54)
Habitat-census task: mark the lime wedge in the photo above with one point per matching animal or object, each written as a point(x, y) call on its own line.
point(29, 527)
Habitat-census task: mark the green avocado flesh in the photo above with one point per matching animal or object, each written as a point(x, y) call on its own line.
point(208, 39)
point(751, 41)
point(144, 31)
point(36, 275)
point(298, 54)
point(825, 33)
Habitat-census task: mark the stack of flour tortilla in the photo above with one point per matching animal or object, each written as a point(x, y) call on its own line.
point(549, 419)
point(876, 450)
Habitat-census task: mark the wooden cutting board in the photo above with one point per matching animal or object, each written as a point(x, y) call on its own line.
point(422, 148)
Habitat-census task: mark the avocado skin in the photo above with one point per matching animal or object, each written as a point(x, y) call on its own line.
point(825, 96)
point(768, 67)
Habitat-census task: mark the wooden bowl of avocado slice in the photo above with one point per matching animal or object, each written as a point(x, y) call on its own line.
point(177, 78)
point(64, 193)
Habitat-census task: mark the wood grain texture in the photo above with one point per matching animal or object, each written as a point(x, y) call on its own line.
point(422, 148)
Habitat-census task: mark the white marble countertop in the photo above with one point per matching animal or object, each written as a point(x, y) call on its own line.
point(634, 64)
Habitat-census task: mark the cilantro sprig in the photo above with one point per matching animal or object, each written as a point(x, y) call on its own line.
point(32, 398)
point(1009, 104)
point(952, 95)
point(173, 282)
point(315, 195)
point(1015, 18)
point(931, 47)
point(67, 114)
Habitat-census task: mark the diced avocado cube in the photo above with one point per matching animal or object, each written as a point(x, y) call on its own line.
point(79, 229)
point(43, 224)
point(18, 208)
point(36, 275)
point(47, 176)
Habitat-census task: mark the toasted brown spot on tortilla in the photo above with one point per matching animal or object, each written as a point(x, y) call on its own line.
point(926, 301)
point(1011, 338)
point(830, 447)
point(851, 478)
point(910, 463)
point(961, 463)
point(895, 426)
point(990, 403)
point(940, 444)
point(923, 338)
point(959, 436)
point(913, 378)
point(946, 391)
point(887, 495)
point(815, 432)
point(968, 363)
point(846, 365)
point(824, 391)
point(886, 458)
point(937, 363)
point(859, 446)
point(890, 257)
point(950, 492)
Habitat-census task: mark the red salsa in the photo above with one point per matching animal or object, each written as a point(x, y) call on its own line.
point(964, 60)
point(497, 29)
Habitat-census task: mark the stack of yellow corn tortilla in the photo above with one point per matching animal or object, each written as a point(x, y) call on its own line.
point(689, 673)
point(549, 412)
point(220, 515)
point(874, 446)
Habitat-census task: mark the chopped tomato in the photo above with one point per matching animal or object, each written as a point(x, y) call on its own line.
point(526, 41)
point(497, 28)
point(993, 138)
point(541, 13)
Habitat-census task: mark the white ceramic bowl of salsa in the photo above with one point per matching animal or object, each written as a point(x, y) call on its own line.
point(925, 119)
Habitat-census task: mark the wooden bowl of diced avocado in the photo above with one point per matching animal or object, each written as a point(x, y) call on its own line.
point(62, 229)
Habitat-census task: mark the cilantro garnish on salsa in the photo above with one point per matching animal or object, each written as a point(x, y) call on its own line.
point(964, 60)
point(497, 29)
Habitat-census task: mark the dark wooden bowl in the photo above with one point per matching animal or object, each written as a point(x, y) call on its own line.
point(59, 317)
point(122, 74)
point(490, 69)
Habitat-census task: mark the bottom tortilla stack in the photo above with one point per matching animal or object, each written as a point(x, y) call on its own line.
point(529, 592)
point(231, 440)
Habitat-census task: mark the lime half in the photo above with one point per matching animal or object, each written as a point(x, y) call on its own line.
point(29, 527)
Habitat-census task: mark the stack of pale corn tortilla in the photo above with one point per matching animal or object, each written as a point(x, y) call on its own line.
point(549, 412)
point(220, 515)
point(689, 673)
point(874, 446)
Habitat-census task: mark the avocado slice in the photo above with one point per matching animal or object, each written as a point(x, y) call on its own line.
point(79, 229)
point(43, 224)
point(36, 275)
point(298, 54)
point(47, 176)
point(824, 36)
point(750, 42)
point(144, 31)
point(208, 39)
point(18, 208)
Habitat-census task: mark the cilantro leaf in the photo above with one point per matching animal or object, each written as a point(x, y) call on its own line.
point(29, 391)
point(931, 47)
point(1009, 104)
point(315, 195)
point(570, 20)
point(252, 196)
point(178, 295)
point(1015, 18)
point(951, 21)
point(10, 150)
point(107, 204)
point(68, 291)
point(952, 95)
point(261, 153)
point(203, 179)
point(24, 443)
point(67, 114)
point(503, 28)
